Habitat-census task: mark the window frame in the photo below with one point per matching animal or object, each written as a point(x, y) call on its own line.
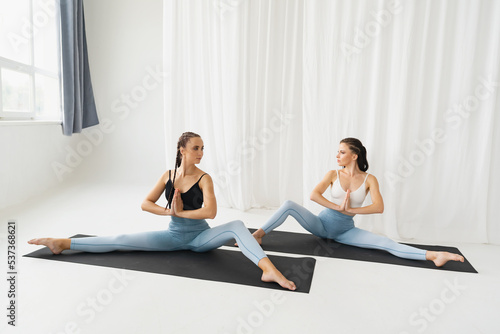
point(31, 70)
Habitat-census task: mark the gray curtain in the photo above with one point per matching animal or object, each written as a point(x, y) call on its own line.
point(79, 110)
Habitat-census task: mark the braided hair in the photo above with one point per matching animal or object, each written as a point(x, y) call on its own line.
point(357, 147)
point(183, 140)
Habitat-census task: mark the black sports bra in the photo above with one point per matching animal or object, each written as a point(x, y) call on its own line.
point(192, 199)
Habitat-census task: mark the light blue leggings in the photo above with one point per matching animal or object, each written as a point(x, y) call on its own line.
point(334, 225)
point(182, 234)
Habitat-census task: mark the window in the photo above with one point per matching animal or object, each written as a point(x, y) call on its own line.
point(30, 81)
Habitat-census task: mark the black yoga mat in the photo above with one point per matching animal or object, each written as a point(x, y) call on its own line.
point(216, 265)
point(308, 244)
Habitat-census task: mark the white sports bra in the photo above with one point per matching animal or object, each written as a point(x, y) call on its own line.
point(357, 197)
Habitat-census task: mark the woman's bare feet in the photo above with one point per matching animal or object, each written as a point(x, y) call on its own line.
point(278, 277)
point(440, 258)
point(56, 246)
point(271, 274)
point(258, 235)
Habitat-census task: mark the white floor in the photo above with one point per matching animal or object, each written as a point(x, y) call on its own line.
point(345, 297)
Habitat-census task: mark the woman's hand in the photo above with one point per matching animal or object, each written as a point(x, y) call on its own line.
point(346, 203)
point(168, 212)
point(177, 204)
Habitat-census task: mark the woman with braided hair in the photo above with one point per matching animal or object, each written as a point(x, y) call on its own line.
point(190, 200)
point(349, 187)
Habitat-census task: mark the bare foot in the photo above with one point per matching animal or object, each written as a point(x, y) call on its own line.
point(276, 276)
point(271, 274)
point(56, 246)
point(258, 235)
point(440, 258)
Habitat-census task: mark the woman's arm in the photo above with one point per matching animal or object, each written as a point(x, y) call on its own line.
point(209, 209)
point(149, 203)
point(377, 205)
point(319, 190)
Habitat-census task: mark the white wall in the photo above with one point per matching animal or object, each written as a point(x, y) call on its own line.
point(26, 156)
point(125, 46)
point(125, 52)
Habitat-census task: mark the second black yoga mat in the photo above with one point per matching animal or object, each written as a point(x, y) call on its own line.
point(217, 265)
point(308, 244)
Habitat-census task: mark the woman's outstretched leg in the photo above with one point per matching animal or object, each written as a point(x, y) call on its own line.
point(304, 217)
point(364, 239)
point(143, 241)
point(217, 236)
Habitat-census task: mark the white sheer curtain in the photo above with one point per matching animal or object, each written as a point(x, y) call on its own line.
point(410, 79)
point(272, 86)
point(235, 78)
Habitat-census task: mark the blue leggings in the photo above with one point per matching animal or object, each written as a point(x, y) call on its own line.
point(334, 225)
point(182, 234)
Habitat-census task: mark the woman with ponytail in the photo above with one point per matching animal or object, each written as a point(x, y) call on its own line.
point(349, 187)
point(190, 200)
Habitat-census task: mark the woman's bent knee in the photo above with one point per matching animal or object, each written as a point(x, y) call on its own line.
point(289, 204)
point(236, 224)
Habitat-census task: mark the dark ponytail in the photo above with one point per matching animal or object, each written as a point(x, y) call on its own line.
point(357, 147)
point(183, 140)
